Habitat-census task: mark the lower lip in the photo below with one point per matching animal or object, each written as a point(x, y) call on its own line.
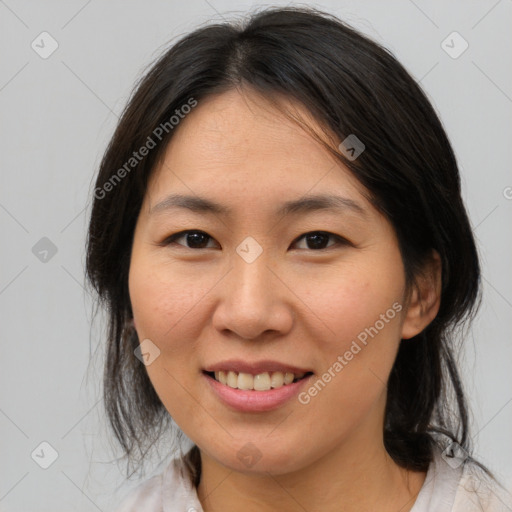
point(255, 401)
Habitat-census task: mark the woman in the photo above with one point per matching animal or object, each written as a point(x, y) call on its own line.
point(279, 236)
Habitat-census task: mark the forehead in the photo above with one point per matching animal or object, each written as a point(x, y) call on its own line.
point(238, 148)
point(231, 126)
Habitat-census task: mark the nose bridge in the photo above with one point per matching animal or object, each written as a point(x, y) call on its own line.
point(251, 276)
point(250, 287)
point(251, 281)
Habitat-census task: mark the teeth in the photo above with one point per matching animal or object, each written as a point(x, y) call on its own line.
point(232, 380)
point(261, 382)
point(288, 378)
point(277, 379)
point(245, 381)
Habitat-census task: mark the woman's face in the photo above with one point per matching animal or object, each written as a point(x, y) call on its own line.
point(250, 288)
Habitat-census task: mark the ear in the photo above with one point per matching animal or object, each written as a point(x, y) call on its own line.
point(425, 298)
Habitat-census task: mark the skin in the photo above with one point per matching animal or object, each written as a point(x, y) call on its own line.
point(294, 303)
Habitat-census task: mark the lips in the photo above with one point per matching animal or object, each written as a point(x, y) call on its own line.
point(256, 367)
point(262, 397)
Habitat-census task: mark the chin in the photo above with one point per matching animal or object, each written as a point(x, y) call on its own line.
point(259, 458)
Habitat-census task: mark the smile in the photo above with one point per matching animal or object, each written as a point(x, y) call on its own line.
point(261, 382)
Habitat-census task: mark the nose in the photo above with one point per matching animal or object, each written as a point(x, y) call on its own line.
point(253, 301)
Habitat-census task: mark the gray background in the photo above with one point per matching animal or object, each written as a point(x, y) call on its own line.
point(57, 115)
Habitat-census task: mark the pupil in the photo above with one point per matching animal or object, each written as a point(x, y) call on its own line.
point(195, 239)
point(317, 240)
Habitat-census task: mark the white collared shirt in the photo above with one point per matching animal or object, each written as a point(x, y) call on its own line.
point(462, 488)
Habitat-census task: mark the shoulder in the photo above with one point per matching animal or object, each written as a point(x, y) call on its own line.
point(169, 491)
point(458, 484)
point(146, 497)
point(479, 492)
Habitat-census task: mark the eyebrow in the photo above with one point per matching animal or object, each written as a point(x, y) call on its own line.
point(297, 206)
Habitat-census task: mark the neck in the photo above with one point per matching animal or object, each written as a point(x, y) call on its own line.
point(358, 477)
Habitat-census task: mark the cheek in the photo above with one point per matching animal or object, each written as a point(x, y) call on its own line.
point(360, 309)
point(163, 297)
point(349, 302)
point(163, 300)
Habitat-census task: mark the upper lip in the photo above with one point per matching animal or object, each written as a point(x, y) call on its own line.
point(255, 367)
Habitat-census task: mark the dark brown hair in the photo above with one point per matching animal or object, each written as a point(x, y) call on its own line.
point(350, 85)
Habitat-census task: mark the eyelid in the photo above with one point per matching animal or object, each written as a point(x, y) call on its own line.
point(339, 240)
point(170, 239)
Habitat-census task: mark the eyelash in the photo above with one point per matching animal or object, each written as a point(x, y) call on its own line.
point(171, 240)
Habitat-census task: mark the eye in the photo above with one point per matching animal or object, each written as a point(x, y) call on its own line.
point(317, 240)
point(195, 239)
